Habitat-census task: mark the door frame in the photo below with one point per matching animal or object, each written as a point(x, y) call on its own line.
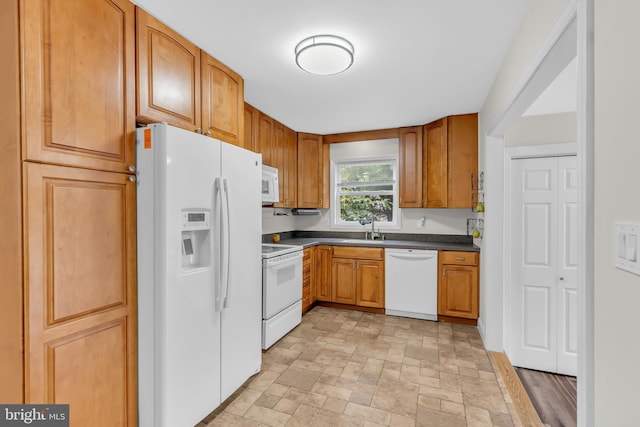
point(578, 14)
point(510, 154)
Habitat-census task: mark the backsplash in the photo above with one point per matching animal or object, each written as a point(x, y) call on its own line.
point(436, 221)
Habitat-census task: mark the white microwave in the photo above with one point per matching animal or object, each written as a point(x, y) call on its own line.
point(270, 191)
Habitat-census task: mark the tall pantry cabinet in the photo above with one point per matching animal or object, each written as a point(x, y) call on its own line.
point(68, 174)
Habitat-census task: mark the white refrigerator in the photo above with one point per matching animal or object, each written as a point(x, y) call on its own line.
point(199, 273)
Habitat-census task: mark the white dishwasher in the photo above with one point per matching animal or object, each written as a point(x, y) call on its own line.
point(411, 283)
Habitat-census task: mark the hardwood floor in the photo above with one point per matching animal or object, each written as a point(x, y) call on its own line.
point(553, 396)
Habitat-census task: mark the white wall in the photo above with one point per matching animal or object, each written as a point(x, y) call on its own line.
point(437, 221)
point(541, 16)
point(545, 129)
point(617, 155)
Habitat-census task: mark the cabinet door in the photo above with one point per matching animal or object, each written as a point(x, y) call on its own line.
point(265, 139)
point(434, 166)
point(291, 168)
point(80, 309)
point(168, 75)
point(307, 273)
point(79, 77)
point(323, 273)
point(462, 145)
point(343, 280)
point(458, 291)
point(313, 274)
point(278, 161)
point(222, 101)
point(250, 140)
point(370, 283)
point(310, 182)
point(410, 165)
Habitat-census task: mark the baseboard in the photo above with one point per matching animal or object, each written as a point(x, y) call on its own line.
point(519, 398)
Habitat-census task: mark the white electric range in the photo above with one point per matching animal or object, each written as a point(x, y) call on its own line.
point(281, 291)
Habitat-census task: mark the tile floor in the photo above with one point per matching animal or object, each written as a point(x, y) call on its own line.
point(347, 368)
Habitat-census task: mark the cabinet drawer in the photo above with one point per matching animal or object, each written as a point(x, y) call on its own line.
point(306, 268)
point(357, 252)
point(306, 296)
point(306, 255)
point(459, 258)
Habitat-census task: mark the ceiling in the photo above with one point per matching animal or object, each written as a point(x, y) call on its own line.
point(415, 60)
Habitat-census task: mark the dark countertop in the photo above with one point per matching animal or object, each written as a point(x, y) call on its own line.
point(395, 242)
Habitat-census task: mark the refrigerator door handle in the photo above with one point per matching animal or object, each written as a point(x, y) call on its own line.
point(226, 243)
point(219, 212)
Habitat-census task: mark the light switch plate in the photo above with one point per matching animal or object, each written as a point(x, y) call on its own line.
point(626, 239)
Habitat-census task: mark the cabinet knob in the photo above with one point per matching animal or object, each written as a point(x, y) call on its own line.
point(208, 133)
point(132, 178)
point(562, 279)
point(460, 258)
point(131, 168)
point(198, 130)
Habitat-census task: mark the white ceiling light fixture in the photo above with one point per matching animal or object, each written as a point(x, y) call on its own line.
point(324, 54)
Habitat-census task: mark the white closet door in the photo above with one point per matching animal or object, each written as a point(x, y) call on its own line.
point(568, 266)
point(543, 280)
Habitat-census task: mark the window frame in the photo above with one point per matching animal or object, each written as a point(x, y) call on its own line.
point(336, 221)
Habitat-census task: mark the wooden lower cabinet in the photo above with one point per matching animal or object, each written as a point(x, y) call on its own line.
point(370, 283)
point(357, 276)
point(343, 281)
point(308, 278)
point(80, 293)
point(323, 273)
point(458, 286)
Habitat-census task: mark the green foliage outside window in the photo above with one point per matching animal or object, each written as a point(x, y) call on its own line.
point(366, 191)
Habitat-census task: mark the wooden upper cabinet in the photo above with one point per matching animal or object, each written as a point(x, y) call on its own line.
point(265, 139)
point(410, 167)
point(222, 101)
point(310, 171)
point(450, 156)
point(285, 151)
point(277, 159)
point(250, 139)
point(168, 75)
point(291, 168)
point(79, 83)
point(434, 166)
point(463, 158)
point(80, 292)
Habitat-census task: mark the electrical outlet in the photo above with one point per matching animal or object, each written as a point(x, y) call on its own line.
point(420, 223)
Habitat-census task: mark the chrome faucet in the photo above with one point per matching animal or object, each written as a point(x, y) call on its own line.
point(371, 219)
point(374, 233)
